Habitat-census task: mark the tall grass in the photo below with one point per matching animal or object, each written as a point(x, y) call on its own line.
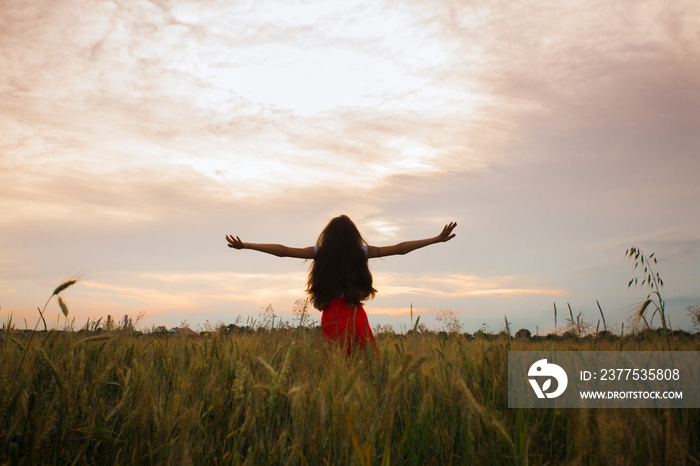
point(280, 397)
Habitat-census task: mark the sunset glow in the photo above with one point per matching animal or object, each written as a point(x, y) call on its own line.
point(135, 135)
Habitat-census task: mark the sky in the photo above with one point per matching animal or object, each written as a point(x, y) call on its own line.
point(135, 135)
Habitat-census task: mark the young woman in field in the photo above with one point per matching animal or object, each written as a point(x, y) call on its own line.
point(340, 280)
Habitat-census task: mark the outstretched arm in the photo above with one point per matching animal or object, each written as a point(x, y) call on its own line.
point(408, 246)
point(278, 250)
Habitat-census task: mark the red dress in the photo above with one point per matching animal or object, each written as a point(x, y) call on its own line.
point(347, 325)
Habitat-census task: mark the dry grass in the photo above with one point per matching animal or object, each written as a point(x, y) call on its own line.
point(279, 398)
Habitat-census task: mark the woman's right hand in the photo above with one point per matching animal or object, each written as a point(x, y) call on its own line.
point(446, 233)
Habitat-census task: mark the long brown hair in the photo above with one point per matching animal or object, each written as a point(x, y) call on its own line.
point(340, 266)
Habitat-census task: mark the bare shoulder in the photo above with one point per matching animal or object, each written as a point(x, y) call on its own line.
point(372, 251)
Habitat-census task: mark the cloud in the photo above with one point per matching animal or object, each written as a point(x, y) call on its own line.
point(245, 292)
point(190, 291)
point(136, 134)
point(456, 286)
point(143, 80)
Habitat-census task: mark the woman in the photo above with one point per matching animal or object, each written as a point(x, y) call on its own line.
point(339, 280)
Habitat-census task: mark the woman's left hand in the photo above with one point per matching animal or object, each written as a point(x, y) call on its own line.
point(234, 242)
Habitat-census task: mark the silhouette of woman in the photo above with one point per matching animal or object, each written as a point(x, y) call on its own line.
point(339, 280)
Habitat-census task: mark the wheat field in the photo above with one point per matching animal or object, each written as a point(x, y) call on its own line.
point(281, 397)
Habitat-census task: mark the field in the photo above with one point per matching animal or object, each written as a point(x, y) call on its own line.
point(278, 397)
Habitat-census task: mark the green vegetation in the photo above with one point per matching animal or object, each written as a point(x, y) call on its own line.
point(651, 279)
point(277, 397)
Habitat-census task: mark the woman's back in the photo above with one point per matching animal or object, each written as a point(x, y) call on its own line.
point(340, 267)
